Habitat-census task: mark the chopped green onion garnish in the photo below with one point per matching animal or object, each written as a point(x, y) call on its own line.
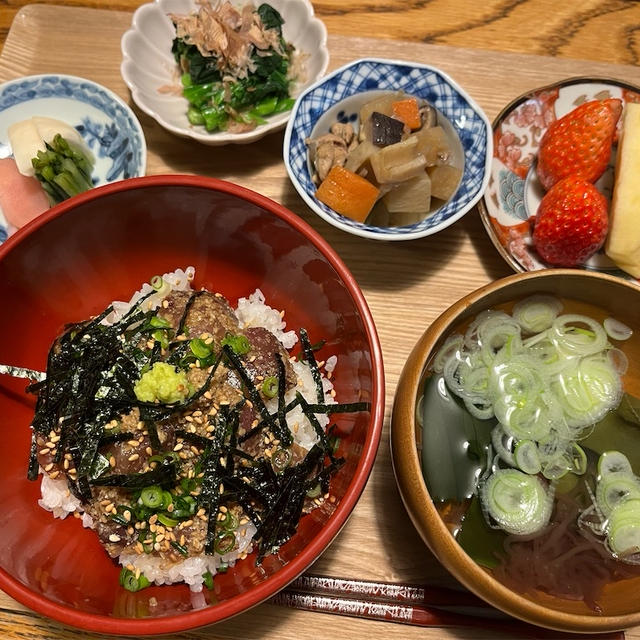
point(280, 460)
point(239, 344)
point(199, 348)
point(180, 548)
point(159, 323)
point(270, 386)
point(129, 581)
point(208, 580)
point(161, 337)
point(224, 542)
point(229, 522)
point(166, 520)
point(314, 492)
point(152, 497)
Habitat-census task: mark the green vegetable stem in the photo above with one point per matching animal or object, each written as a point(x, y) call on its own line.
point(63, 170)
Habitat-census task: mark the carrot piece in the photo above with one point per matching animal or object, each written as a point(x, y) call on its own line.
point(347, 193)
point(407, 110)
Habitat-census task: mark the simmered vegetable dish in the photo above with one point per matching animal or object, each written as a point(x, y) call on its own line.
point(395, 167)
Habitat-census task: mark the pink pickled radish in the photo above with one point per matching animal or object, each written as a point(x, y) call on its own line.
point(21, 197)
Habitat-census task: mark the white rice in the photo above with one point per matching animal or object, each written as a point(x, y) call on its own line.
point(57, 498)
point(177, 280)
point(251, 312)
point(190, 570)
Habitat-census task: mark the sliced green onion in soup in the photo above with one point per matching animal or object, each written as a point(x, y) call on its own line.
point(613, 462)
point(578, 335)
point(519, 503)
point(614, 488)
point(623, 529)
point(616, 329)
point(537, 313)
point(526, 456)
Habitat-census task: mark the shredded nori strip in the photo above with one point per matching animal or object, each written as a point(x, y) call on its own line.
point(252, 432)
point(310, 359)
point(117, 437)
point(283, 433)
point(199, 441)
point(322, 436)
point(187, 307)
point(254, 394)
point(346, 407)
point(33, 469)
point(164, 475)
point(214, 472)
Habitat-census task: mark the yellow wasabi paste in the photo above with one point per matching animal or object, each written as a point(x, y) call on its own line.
point(162, 383)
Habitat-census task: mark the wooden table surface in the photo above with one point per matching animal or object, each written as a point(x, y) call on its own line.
point(583, 37)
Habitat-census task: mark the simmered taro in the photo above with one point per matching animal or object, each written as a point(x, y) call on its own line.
point(403, 148)
point(173, 424)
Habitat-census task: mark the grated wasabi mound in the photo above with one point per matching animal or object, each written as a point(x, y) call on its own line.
point(162, 383)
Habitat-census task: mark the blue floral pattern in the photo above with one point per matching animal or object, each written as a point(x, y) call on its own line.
point(106, 123)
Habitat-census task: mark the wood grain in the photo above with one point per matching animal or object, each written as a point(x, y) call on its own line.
point(408, 284)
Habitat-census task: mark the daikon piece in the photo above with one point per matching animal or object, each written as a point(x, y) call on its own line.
point(444, 181)
point(434, 145)
point(411, 196)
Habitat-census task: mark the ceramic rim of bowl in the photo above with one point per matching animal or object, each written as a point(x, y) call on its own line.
point(418, 502)
point(280, 579)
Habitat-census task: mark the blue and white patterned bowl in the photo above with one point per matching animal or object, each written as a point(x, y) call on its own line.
point(340, 96)
point(105, 121)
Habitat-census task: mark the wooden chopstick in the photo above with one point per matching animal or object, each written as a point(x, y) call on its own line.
point(386, 591)
point(423, 606)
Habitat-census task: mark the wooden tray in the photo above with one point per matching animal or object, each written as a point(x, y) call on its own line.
point(407, 284)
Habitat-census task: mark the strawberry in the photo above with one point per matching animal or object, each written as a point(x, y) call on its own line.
point(571, 222)
point(579, 143)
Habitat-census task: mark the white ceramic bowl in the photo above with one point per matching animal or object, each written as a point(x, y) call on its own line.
point(341, 94)
point(148, 64)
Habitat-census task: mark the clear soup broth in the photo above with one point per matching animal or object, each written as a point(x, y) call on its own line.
point(560, 567)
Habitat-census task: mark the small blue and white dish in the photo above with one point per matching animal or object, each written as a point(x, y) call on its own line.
point(105, 121)
point(339, 97)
